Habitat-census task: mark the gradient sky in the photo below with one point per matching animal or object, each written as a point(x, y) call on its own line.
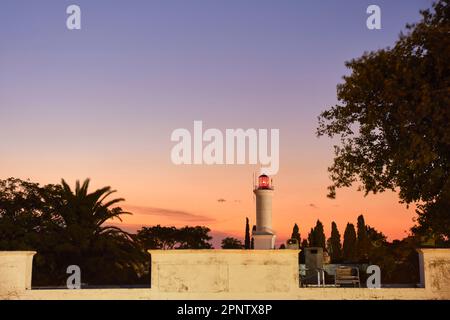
point(102, 102)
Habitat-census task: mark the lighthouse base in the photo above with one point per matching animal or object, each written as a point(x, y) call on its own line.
point(264, 241)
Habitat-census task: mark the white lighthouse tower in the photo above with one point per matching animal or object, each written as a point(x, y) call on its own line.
point(263, 236)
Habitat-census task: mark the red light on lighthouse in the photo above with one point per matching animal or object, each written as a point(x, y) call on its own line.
point(263, 182)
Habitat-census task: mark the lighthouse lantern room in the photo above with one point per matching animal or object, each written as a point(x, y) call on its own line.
point(264, 182)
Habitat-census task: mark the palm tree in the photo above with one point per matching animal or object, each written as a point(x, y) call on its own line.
point(90, 210)
point(104, 253)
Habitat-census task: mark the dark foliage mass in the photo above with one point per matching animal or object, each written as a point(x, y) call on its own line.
point(364, 245)
point(393, 121)
point(158, 237)
point(232, 243)
point(69, 227)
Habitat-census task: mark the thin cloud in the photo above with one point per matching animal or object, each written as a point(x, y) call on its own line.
point(128, 227)
point(170, 213)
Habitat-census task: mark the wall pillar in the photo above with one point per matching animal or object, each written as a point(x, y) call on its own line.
point(434, 267)
point(15, 271)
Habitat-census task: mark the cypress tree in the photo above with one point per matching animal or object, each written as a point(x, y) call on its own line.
point(296, 234)
point(335, 247)
point(316, 237)
point(319, 235)
point(362, 244)
point(349, 247)
point(247, 244)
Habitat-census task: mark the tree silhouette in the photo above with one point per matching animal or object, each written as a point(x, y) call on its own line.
point(166, 238)
point(82, 215)
point(247, 243)
point(194, 238)
point(349, 246)
point(158, 237)
point(319, 234)
point(25, 212)
point(362, 244)
point(335, 248)
point(316, 237)
point(231, 243)
point(392, 119)
point(296, 234)
point(102, 252)
point(68, 227)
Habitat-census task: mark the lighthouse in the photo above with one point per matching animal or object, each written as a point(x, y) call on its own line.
point(264, 237)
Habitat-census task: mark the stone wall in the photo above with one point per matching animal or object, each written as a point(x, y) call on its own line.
point(195, 271)
point(435, 271)
point(227, 274)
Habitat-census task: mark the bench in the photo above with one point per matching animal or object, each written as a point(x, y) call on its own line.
point(347, 275)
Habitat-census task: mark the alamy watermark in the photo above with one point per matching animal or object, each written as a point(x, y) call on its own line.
point(74, 280)
point(374, 280)
point(235, 146)
point(373, 22)
point(73, 21)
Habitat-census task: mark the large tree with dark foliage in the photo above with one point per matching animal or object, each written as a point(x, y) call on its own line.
point(26, 210)
point(195, 238)
point(393, 120)
point(231, 243)
point(68, 227)
point(158, 237)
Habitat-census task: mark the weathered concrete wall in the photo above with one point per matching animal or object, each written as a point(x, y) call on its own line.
point(435, 271)
point(15, 271)
point(227, 274)
point(195, 271)
point(298, 294)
